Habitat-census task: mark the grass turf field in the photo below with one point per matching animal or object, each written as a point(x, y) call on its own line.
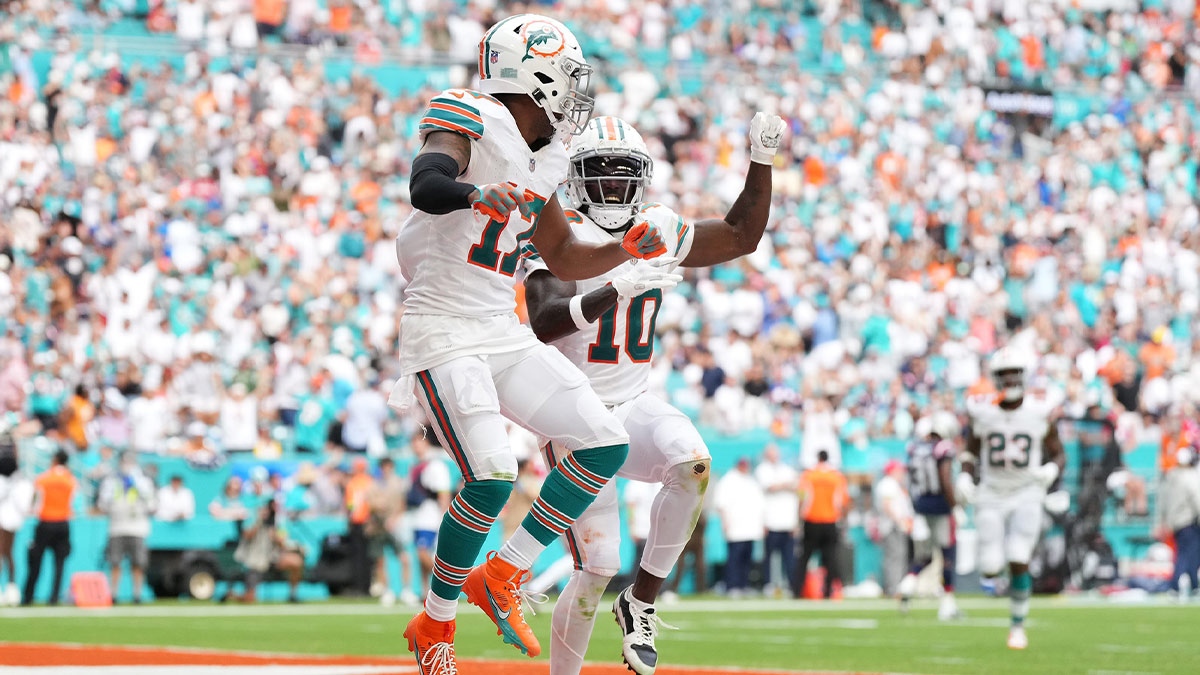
point(1066, 635)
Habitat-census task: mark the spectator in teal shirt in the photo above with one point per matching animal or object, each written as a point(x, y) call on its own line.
point(313, 422)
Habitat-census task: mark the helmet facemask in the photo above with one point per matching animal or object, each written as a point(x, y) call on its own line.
point(610, 186)
point(574, 107)
point(1011, 383)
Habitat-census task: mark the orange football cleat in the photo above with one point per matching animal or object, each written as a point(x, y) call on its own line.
point(495, 587)
point(433, 643)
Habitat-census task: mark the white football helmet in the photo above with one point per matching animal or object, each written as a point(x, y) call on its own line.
point(538, 56)
point(944, 424)
point(610, 169)
point(1008, 367)
point(923, 427)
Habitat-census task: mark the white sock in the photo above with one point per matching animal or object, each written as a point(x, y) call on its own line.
point(574, 618)
point(439, 608)
point(521, 549)
point(672, 518)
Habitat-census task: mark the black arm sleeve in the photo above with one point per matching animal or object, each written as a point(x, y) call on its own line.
point(433, 188)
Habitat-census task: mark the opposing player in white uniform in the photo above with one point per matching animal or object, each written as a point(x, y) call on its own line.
point(605, 325)
point(482, 185)
point(931, 487)
point(1015, 451)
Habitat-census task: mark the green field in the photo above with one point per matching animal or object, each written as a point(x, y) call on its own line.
point(1066, 636)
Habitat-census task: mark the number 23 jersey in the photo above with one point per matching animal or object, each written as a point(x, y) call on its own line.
point(1010, 442)
point(615, 350)
point(461, 263)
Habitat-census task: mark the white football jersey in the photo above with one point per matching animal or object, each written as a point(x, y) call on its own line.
point(461, 263)
point(1010, 442)
point(615, 351)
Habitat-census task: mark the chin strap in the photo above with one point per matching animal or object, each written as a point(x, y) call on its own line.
point(616, 231)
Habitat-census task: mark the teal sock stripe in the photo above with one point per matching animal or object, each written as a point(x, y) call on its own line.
point(569, 535)
point(464, 529)
point(570, 488)
point(1022, 588)
point(1022, 582)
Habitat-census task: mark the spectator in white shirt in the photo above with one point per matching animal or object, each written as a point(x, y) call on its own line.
point(740, 502)
point(895, 523)
point(149, 418)
point(781, 515)
point(366, 413)
point(239, 419)
point(639, 498)
point(176, 503)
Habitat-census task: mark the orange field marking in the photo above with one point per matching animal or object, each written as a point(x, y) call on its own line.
point(51, 655)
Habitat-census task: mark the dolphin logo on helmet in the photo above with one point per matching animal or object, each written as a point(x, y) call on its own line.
point(537, 56)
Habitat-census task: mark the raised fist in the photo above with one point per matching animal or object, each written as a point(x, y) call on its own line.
point(766, 130)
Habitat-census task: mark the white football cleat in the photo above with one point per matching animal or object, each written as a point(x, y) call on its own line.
point(1016, 638)
point(11, 596)
point(388, 598)
point(948, 610)
point(639, 625)
point(408, 598)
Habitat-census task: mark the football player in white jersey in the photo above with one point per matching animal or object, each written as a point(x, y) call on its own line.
point(482, 185)
point(605, 325)
point(1015, 452)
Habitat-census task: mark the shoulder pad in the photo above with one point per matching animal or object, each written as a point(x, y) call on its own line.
point(456, 111)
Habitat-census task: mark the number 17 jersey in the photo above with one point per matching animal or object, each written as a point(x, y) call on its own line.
point(461, 263)
point(1010, 442)
point(615, 351)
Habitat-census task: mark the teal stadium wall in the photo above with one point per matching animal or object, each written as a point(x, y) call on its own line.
point(89, 533)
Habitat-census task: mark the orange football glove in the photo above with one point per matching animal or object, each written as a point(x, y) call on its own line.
point(643, 240)
point(497, 200)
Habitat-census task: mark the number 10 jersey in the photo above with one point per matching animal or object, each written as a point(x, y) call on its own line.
point(1010, 442)
point(615, 351)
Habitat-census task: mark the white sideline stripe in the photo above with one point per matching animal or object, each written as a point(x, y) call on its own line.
point(776, 625)
point(685, 607)
point(209, 669)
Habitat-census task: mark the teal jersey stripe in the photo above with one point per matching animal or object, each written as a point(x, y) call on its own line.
point(466, 108)
point(469, 127)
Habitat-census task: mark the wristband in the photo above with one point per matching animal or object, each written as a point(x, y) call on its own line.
point(576, 306)
point(763, 156)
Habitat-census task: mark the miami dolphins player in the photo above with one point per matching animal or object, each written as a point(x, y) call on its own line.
point(482, 185)
point(605, 325)
point(1015, 451)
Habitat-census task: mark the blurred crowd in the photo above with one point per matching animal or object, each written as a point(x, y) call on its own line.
point(199, 260)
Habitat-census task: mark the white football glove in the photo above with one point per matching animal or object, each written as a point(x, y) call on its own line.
point(1057, 502)
point(647, 275)
point(1047, 474)
point(766, 130)
point(964, 488)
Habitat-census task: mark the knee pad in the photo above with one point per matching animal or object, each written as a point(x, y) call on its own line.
point(991, 562)
point(601, 561)
point(691, 475)
point(603, 461)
